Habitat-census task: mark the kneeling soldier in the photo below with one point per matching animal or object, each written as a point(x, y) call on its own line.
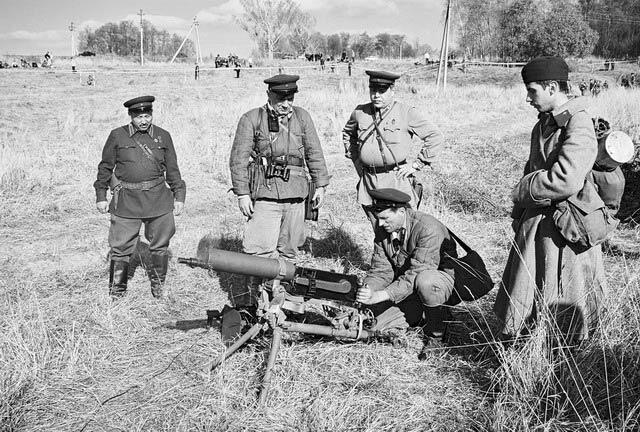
point(412, 273)
point(138, 162)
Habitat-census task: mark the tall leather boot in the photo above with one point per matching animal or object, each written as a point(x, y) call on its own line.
point(118, 274)
point(436, 318)
point(434, 329)
point(158, 274)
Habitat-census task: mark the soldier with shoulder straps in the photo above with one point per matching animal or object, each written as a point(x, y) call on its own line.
point(139, 163)
point(378, 138)
point(276, 162)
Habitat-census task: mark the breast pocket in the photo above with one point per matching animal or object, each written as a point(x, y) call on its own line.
point(159, 150)
point(261, 142)
point(392, 134)
point(128, 153)
point(297, 139)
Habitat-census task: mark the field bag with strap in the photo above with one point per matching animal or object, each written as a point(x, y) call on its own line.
point(471, 278)
point(583, 219)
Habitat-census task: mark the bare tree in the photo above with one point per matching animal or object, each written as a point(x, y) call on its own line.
point(268, 21)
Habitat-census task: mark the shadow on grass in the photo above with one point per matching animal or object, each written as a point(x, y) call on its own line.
point(337, 244)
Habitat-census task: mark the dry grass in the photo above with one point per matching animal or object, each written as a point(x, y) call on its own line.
point(70, 359)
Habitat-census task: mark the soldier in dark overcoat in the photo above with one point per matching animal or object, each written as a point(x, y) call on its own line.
point(545, 275)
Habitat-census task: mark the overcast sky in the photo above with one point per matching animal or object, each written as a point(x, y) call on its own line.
point(36, 26)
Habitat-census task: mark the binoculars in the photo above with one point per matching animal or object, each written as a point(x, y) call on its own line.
point(277, 167)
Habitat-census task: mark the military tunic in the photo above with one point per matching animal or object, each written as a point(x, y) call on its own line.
point(297, 138)
point(375, 161)
point(544, 275)
point(151, 204)
point(415, 268)
point(133, 166)
point(426, 246)
point(277, 224)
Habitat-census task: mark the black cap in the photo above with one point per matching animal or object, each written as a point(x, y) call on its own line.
point(381, 78)
point(389, 198)
point(545, 68)
point(140, 104)
point(282, 83)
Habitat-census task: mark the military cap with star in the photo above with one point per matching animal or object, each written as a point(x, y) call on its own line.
point(381, 78)
point(283, 83)
point(389, 198)
point(140, 104)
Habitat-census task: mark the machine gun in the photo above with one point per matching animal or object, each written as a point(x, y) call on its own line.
point(332, 296)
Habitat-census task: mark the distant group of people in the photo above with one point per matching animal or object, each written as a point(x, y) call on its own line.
point(277, 158)
point(228, 61)
point(24, 63)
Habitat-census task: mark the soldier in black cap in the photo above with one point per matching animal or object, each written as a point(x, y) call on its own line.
point(411, 274)
point(276, 153)
point(139, 164)
point(544, 273)
point(378, 139)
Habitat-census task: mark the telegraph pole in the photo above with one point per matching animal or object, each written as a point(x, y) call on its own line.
point(141, 39)
point(196, 24)
point(444, 49)
point(72, 29)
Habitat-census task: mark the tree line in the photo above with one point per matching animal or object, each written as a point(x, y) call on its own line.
point(281, 27)
point(123, 39)
point(522, 29)
point(361, 45)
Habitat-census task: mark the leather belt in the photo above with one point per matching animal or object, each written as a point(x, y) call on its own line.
point(383, 168)
point(145, 185)
point(291, 160)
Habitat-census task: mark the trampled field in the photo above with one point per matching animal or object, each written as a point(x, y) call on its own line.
point(71, 359)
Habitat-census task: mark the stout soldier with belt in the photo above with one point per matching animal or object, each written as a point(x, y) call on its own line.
point(139, 163)
point(377, 138)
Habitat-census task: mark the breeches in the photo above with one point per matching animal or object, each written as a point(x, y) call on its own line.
point(123, 235)
point(434, 287)
point(275, 229)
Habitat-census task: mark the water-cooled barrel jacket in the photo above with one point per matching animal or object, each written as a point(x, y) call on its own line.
point(427, 246)
point(398, 127)
point(298, 139)
point(133, 166)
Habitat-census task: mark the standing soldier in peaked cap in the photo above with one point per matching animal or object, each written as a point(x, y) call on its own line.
point(138, 162)
point(377, 138)
point(275, 152)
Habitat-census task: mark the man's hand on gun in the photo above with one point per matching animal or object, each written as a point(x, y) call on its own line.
point(367, 296)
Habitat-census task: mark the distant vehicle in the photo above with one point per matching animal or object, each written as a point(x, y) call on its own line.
point(87, 54)
point(372, 58)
